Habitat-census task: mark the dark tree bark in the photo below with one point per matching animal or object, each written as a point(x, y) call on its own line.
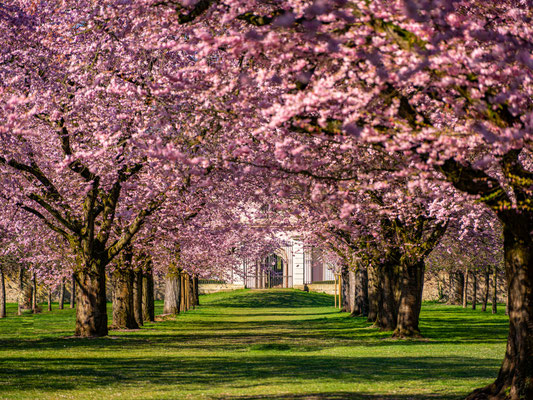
point(361, 295)
point(192, 302)
point(495, 291)
point(183, 292)
point(345, 289)
point(49, 299)
point(2, 294)
point(486, 292)
point(412, 286)
point(373, 294)
point(148, 301)
point(62, 294)
point(172, 293)
point(515, 379)
point(465, 289)
point(91, 302)
point(196, 291)
point(138, 296)
point(474, 290)
point(387, 317)
point(73, 291)
point(123, 308)
point(34, 291)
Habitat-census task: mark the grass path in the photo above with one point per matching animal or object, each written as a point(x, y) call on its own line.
point(278, 344)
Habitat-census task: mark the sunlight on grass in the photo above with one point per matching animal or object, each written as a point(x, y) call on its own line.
point(278, 344)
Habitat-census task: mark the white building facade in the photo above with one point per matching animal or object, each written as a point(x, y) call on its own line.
point(290, 266)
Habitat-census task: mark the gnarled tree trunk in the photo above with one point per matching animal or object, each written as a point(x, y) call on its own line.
point(515, 379)
point(49, 299)
point(91, 312)
point(412, 286)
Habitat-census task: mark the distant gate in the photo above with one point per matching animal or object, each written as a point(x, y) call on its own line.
point(274, 271)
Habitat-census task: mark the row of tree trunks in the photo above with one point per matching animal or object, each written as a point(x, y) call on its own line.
point(123, 309)
point(133, 296)
point(458, 293)
point(181, 292)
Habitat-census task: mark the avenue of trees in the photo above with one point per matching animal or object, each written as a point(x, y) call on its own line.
point(177, 138)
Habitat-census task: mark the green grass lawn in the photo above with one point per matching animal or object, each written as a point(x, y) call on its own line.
point(277, 344)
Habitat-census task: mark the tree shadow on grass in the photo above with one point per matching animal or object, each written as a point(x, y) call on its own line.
point(342, 396)
point(35, 373)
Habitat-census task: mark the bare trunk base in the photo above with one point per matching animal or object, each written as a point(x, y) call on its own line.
point(172, 293)
point(91, 312)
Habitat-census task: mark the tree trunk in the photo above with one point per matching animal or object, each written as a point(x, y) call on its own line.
point(2, 294)
point(486, 292)
point(172, 293)
point(91, 302)
point(196, 291)
point(123, 315)
point(138, 296)
point(49, 299)
point(459, 288)
point(373, 293)
point(62, 294)
point(73, 291)
point(361, 295)
point(183, 292)
point(351, 292)
point(495, 292)
point(410, 300)
point(465, 289)
point(191, 294)
point(148, 295)
point(515, 379)
point(34, 291)
point(388, 311)
point(25, 293)
point(345, 290)
point(474, 290)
